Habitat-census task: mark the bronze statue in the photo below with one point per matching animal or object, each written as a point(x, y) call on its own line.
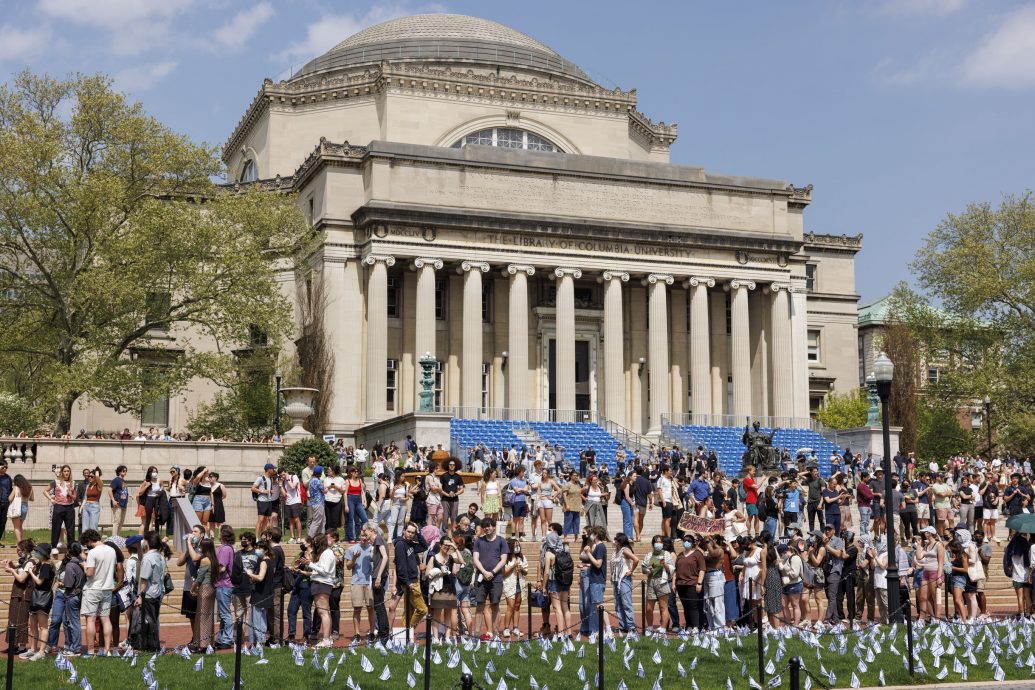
point(760, 451)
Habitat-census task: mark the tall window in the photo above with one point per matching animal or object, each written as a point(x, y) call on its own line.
point(441, 298)
point(393, 297)
point(814, 351)
point(157, 306)
point(507, 137)
point(156, 414)
point(440, 378)
point(933, 374)
point(257, 337)
point(486, 375)
point(249, 173)
point(393, 383)
point(810, 277)
point(487, 301)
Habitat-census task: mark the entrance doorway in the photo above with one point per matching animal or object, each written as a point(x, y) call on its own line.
point(583, 367)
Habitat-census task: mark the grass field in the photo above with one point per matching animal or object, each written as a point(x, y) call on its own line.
point(734, 659)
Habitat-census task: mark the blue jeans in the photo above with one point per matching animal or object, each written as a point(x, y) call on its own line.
point(770, 527)
point(595, 597)
point(864, 520)
point(301, 597)
point(357, 517)
point(257, 625)
point(91, 515)
point(572, 522)
point(226, 618)
point(623, 593)
point(627, 519)
point(71, 621)
point(57, 616)
point(584, 602)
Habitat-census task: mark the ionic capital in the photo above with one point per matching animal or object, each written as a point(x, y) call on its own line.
point(653, 278)
point(562, 271)
point(620, 276)
point(421, 262)
point(371, 259)
point(694, 281)
point(514, 269)
point(466, 266)
point(740, 283)
point(776, 287)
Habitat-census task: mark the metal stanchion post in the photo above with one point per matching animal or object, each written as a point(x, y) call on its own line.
point(239, 635)
point(761, 633)
point(427, 656)
point(600, 648)
point(529, 612)
point(12, 643)
point(467, 682)
point(406, 613)
point(283, 617)
point(795, 667)
point(643, 605)
point(945, 587)
point(909, 632)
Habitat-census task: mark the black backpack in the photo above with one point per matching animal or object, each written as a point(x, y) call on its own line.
point(563, 568)
point(237, 576)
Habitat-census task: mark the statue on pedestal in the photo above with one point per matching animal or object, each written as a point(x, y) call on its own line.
point(427, 384)
point(760, 451)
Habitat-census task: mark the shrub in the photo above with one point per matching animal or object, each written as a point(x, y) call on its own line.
point(295, 455)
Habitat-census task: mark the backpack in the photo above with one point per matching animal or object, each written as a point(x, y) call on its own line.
point(812, 577)
point(563, 568)
point(466, 574)
point(741, 493)
point(237, 576)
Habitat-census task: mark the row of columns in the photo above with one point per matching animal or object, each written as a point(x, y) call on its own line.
point(708, 378)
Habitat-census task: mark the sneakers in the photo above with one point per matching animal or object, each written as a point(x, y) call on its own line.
point(38, 655)
point(292, 541)
point(486, 637)
point(324, 644)
point(26, 654)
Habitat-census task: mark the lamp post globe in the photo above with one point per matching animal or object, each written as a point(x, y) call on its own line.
point(884, 373)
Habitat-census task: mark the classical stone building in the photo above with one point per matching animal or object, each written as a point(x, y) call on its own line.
point(481, 199)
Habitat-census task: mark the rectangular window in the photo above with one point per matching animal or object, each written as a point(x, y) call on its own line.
point(810, 277)
point(977, 420)
point(440, 378)
point(394, 310)
point(157, 306)
point(156, 414)
point(486, 375)
point(256, 337)
point(933, 374)
point(392, 383)
point(312, 212)
point(441, 299)
point(814, 351)
point(487, 301)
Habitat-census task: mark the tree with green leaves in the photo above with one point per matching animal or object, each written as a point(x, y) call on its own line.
point(844, 410)
point(125, 271)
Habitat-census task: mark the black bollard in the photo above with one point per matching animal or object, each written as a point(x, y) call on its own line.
point(909, 633)
point(283, 617)
point(12, 644)
point(406, 613)
point(643, 605)
point(600, 648)
point(239, 634)
point(761, 633)
point(427, 656)
point(795, 667)
point(467, 682)
point(945, 586)
point(529, 602)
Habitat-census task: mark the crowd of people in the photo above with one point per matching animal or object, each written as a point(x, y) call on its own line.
point(409, 541)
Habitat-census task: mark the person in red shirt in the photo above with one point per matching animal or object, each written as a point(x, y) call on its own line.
point(751, 501)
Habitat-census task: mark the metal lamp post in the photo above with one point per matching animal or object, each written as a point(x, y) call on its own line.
point(884, 372)
point(988, 424)
point(278, 376)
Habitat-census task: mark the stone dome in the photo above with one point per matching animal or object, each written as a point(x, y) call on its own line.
point(444, 38)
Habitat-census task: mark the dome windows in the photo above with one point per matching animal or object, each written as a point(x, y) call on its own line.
point(507, 137)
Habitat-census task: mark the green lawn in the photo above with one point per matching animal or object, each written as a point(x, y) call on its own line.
point(711, 671)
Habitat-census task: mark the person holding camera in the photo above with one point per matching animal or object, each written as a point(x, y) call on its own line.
point(792, 569)
point(827, 552)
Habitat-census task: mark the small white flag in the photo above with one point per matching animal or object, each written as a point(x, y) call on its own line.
point(639, 670)
point(558, 666)
point(657, 657)
point(752, 683)
point(532, 684)
point(220, 673)
point(855, 680)
point(942, 673)
point(880, 678)
point(770, 668)
point(682, 671)
point(693, 684)
point(729, 683)
point(1000, 674)
point(581, 673)
point(199, 664)
point(364, 663)
point(502, 685)
point(260, 662)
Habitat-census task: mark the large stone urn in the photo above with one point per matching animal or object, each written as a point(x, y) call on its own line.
point(298, 406)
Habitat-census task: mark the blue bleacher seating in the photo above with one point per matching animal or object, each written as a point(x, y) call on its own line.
point(725, 441)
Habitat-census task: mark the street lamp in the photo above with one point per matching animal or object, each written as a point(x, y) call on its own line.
point(278, 376)
point(884, 372)
point(988, 424)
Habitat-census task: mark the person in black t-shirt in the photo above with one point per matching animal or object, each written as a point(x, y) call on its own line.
point(452, 487)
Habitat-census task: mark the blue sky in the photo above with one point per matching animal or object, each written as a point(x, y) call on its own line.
point(898, 111)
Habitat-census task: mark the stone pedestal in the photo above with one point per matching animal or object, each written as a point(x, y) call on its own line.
point(427, 429)
point(868, 439)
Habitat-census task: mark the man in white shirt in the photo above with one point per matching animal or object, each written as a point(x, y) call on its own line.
point(665, 499)
point(477, 465)
point(361, 458)
point(291, 488)
point(434, 488)
point(100, 581)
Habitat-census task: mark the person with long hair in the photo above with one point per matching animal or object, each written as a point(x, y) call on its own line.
point(519, 509)
point(18, 506)
point(334, 498)
point(549, 491)
point(21, 592)
point(355, 495)
point(623, 565)
point(929, 557)
point(151, 591)
point(41, 600)
point(202, 501)
point(442, 570)
point(514, 573)
point(1017, 561)
point(490, 494)
point(322, 566)
point(262, 593)
point(72, 581)
point(399, 497)
point(61, 495)
point(91, 507)
point(149, 495)
point(301, 597)
point(659, 566)
point(217, 517)
point(204, 592)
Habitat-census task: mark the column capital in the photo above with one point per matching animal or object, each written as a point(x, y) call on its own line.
point(371, 259)
point(514, 269)
point(694, 281)
point(423, 261)
point(562, 271)
point(620, 276)
point(738, 283)
point(653, 278)
point(466, 266)
point(776, 287)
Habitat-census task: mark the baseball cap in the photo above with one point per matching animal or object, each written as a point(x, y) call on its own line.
point(135, 539)
point(269, 466)
point(318, 470)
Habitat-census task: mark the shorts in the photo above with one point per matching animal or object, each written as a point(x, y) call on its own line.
point(318, 588)
point(1020, 585)
point(96, 603)
point(362, 596)
point(959, 582)
point(520, 509)
point(991, 514)
point(752, 509)
point(796, 588)
point(979, 586)
point(942, 514)
point(24, 512)
point(553, 588)
point(201, 503)
point(932, 576)
point(546, 503)
point(923, 511)
point(666, 511)
point(434, 509)
point(656, 590)
point(642, 510)
point(293, 511)
point(492, 590)
point(265, 508)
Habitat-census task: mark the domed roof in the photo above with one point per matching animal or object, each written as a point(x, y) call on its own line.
point(444, 38)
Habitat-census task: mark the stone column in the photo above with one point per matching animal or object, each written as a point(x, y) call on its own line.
point(657, 348)
point(565, 362)
point(377, 334)
point(700, 350)
point(780, 343)
point(740, 362)
point(517, 337)
point(720, 355)
point(471, 358)
point(424, 316)
point(614, 347)
point(677, 345)
point(799, 353)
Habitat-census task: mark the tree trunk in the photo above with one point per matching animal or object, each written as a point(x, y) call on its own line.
point(64, 422)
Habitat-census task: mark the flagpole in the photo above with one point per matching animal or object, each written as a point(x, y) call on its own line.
point(600, 648)
point(427, 655)
point(239, 634)
point(761, 634)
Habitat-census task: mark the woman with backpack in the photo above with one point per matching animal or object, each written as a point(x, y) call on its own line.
point(442, 569)
point(791, 569)
point(464, 580)
point(556, 572)
point(659, 565)
point(72, 580)
point(262, 593)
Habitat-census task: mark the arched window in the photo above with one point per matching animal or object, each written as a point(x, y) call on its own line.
point(249, 173)
point(508, 137)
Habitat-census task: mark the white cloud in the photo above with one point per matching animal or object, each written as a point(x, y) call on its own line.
point(330, 30)
point(134, 25)
point(17, 44)
point(143, 77)
point(1006, 58)
point(923, 7)
point(236, 32)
